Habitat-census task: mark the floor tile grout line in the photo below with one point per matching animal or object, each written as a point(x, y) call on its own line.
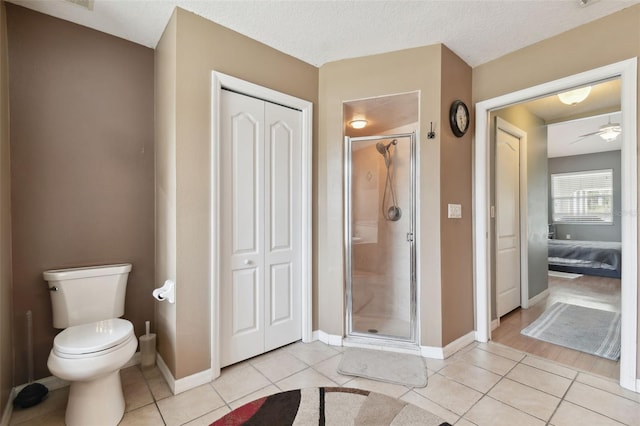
point(240, 397)
point(533, 387)
point(432, 401)
point(462, 384)
point(486, 394)
point(562, 399)
point(551, 372)
point(220, 396)
point(607, 391)
point(502, 356)
point(575, 378)
point(587, 408)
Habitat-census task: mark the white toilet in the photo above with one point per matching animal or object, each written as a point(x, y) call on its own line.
point(95, 344)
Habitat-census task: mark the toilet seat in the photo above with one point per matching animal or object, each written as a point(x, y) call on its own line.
point(93, 339)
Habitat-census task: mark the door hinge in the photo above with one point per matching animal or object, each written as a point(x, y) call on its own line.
point(410, 237)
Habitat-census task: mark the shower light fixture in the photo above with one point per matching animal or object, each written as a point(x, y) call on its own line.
point(573, 97)
point(358, 124)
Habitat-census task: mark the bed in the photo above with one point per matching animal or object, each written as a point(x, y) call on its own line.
point(601, 258)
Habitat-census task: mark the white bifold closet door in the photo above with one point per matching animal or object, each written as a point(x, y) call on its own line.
point(260, 220)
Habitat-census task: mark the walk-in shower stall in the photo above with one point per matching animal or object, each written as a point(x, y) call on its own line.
point(379, 237)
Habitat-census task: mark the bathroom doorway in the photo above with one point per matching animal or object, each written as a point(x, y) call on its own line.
point(627, 72)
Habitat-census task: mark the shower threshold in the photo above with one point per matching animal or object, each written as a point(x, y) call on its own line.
point(381, 343)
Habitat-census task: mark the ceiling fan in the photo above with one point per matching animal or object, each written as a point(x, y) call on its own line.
point(608, 132)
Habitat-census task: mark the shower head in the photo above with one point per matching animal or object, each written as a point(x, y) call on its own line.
point(383, 149)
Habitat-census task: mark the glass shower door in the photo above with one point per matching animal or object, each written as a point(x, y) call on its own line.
point(381, 296)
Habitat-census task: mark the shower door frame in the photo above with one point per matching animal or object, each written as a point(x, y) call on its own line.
point(411, 237)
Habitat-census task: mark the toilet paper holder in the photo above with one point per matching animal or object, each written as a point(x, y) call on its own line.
point(166, 292)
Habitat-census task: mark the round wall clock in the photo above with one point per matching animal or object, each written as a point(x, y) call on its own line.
point(459, 118)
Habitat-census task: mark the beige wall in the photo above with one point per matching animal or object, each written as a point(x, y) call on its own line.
point(82, 166)
point(455, 188)
point(6, 348)
point(201, 47)
point(607, 40)
point(165, 169)
point(421, 69)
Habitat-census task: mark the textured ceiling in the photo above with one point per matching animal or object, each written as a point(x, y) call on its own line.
point(318, 32)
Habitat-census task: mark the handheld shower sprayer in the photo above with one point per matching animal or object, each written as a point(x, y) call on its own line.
point(394, 212)
point(384, 149)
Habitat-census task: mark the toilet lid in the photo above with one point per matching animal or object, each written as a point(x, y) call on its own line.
point(93, 337)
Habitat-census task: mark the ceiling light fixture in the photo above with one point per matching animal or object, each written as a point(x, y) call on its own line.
point(609, 132)
point(575, 96)
point(358, 124)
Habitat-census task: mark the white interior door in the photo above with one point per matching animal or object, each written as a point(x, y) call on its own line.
point(507, 222)
point(282, 231)
point(260, 202)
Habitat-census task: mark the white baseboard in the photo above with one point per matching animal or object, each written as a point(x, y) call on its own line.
point(630, 384)
point(425, 351)
point(431, 352)
point(405, 348)
point(538, 297)
point(329, 339)
point(186, 383)
point(459, 343)
point(450, 349)
point(495, 324)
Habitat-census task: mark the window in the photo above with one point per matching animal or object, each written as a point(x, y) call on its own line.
point(582, 197)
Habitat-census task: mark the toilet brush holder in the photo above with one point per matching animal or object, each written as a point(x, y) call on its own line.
point(147, 349)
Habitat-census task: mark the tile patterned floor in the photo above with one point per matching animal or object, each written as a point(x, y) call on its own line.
point(484, 384)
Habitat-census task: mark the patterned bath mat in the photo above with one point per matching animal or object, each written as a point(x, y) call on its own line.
point(329, 406)
point(392, 367)
point(584, 329)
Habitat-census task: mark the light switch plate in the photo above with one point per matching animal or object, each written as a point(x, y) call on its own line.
point(455, 211)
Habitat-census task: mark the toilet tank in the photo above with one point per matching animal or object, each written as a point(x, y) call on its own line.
point(89, 294)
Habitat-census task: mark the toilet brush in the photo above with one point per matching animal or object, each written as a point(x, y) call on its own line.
point(33, 393)
point(147, 348)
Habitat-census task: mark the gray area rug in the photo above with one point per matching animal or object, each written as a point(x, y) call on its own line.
point(584, 329)
point(391, 367)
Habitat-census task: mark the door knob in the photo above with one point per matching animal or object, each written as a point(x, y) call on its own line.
point(247, 262)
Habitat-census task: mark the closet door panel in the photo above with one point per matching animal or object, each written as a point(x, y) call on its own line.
point(282, 230)
point(242, 215)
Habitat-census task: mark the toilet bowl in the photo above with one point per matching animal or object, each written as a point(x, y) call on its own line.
point(94, 344)
point(90, 356)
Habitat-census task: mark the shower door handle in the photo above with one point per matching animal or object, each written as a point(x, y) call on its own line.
point(410, 237)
